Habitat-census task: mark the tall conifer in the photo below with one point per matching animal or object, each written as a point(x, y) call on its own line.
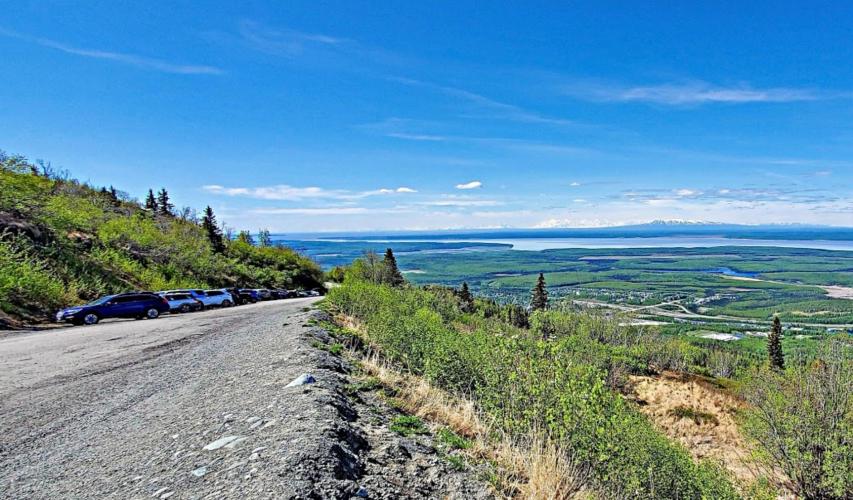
point(539, 299)
point(774, 345)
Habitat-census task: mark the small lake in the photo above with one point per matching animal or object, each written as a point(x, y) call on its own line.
point(727, 271)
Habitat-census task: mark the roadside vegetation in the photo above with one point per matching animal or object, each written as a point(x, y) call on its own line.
point(63, 242)
point(564, 378)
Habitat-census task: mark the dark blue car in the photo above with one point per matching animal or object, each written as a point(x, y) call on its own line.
point(137, 305)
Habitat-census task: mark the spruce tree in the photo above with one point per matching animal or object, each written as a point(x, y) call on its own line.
point(393, 276)
point(264, 238)
point(774, 345)
point(466, 298)
point(539, 300)
point(151, 202)
point(246, 237)
point(214, 234)
point(164, 206)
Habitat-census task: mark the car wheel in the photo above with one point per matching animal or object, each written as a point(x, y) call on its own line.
point(152, 313)
point(185, 308)
point(226, 303)
point(91, 319)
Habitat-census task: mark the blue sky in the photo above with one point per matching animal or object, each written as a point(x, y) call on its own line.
point(315, 116)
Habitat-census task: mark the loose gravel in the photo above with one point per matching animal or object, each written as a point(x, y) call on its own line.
point(233, 403)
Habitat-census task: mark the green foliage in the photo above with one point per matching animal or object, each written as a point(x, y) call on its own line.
point(392, 274)
point(449, 440)
point(336, 274)
point(802, 420)
point(371, 269)
point(539, 299)
point(697, 416)
point(560, 386)
point(66, 242)
point(774, 345)
point(408, 425)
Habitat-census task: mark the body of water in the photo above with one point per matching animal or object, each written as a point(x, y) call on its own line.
point(538, 244)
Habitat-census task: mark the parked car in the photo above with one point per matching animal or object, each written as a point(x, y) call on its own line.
point(303, 293)
point(183, 302)
point(239, 299)
point(264, 293)
point(280, 294)
point(249, 295)
point(208, 298)
point(218, 298)
point(124, 305)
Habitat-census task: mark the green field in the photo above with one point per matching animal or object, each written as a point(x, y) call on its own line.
point(722, 289)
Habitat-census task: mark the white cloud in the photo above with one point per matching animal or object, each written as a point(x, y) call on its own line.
point(694, 92)
point(575, 184)
point(124, 58)
point(687, 192)
point(470, 185)
point(462, 202)
point(285, 192)
point(311, 211)
point(284, 42)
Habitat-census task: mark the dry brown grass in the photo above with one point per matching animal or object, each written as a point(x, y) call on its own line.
point(702, 418)
point(531, 468)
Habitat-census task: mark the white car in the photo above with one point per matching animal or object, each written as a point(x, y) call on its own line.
point(208, 298)
point(217, 298)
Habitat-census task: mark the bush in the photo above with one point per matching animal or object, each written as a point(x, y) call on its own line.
point(72, 242)
point(802, 420)
point(525, 383)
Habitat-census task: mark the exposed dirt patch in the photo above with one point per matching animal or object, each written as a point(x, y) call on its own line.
point(839, 292)
point(699, 416)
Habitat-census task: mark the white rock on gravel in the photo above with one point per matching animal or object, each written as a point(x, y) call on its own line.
point(200, 472)
point(252, 420)
point(160, 492)
point(304, 379)
point(233, 444)
point(219, 443)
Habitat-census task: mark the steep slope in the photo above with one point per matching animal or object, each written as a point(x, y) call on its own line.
point(64, 242)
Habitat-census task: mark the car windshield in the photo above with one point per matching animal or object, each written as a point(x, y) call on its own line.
point(100, 301)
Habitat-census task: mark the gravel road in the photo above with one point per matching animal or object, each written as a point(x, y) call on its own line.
point(197, 406)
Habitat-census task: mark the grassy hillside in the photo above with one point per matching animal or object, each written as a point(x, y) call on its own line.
point(63, 242)
point(568, 378)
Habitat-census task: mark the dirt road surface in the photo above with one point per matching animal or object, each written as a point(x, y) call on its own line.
point(197, 406)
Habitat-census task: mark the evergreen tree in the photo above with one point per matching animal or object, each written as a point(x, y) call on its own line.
point(466, 298)
point(164, 206)
point(539, 300)
point(264, 238)
point(245, 237)
point(393, 276)
point(214, 234)
point(774, 345)
point(516, 315)
point(151, 202)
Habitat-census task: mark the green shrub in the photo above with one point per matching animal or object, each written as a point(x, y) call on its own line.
point(89, 242)
point(802, 421)
point(524, 383)
point(408, 425)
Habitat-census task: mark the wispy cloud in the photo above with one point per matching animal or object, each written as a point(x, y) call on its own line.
point(119, 57)
point(334, 211)
point(470, 185)
point(694, 93)
point(494, 108)
point(284, 192)
point(451, 202)
point(669, 197)
point(282, 41)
